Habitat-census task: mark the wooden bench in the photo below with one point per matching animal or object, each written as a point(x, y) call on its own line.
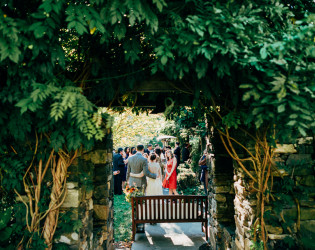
point(169, 208)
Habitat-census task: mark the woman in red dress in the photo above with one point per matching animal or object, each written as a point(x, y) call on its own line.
point(170, 180)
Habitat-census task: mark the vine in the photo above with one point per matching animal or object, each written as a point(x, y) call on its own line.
point(33, 182)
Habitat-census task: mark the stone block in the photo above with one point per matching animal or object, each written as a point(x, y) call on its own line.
point(296, 159)
point(220, 197)
point(222, 180)
point(72, 185)
point(109, 157)
point(101, 212)
point(274, 230)
point(72, 198)
point(101, 192)
point(308, 180)
point(306, 213)
point(99, 157)
point(308, 228)
point(285, 149)
point(278, 237)
point(309, 203)
point(69, 239)
point(222, 189)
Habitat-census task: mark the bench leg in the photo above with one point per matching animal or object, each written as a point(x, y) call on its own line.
point(134, 225)
point(206, 230)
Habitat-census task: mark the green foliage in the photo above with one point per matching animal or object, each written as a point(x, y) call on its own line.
point(130, 129)
point(5, 230)
point(59, 58)
point(67, 224)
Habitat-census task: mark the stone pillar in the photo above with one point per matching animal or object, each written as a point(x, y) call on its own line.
point(89, 200)
point(103, 197)
point(220, 197)
point(245, 208)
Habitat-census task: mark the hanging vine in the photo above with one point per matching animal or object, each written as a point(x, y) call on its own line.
point(39, 221)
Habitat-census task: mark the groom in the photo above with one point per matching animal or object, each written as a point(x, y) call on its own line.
point(136, 164)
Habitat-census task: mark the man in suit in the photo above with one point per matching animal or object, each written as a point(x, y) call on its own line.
point(149, 149)
point(177, 153)
point(136, 164)
point(119, 168)
point(185, 152)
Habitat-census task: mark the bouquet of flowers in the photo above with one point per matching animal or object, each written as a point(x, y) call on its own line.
point(132, 191)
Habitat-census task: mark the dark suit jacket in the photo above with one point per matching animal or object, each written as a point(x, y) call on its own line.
point(118, 163)
point(136, 164)
point(185, 154)
point(177, 154)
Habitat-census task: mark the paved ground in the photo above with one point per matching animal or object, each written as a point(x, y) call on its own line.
point(170, 236)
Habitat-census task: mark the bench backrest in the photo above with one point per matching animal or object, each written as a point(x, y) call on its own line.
point(170, 208)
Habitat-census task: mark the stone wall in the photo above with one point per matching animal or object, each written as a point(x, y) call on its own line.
point(296, 171)
point(232, 203)
point(296, 165)
point(89, 201)
point(220, 197)
point(245, 208)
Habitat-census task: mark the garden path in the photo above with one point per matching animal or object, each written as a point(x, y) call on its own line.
point(170, 236)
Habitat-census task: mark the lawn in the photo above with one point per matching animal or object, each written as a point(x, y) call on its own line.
point(122, 219)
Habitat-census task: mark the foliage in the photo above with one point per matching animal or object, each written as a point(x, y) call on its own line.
point(130, 129)
point(122, 221)
point(186, 122)
point(59, 58)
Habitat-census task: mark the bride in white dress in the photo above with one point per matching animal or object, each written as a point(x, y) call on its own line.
point(154, 186)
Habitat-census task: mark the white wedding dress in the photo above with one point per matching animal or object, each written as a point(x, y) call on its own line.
point(154, 186)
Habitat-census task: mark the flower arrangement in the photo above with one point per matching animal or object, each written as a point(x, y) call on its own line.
point(132, 191)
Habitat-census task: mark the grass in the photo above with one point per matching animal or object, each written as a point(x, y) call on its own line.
point(194, 190)
point(122, 219)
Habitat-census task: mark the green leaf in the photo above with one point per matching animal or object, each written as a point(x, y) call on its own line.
point(15, 54)
point(81, 29)
point(263, 53)
point(57, 141)
point(281, 108)
point(164, 59)
point(5, 217)
point(291, 123)
point(246, 86)
point(210, 29)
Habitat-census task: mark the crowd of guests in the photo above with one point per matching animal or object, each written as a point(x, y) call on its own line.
point(152, 168)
